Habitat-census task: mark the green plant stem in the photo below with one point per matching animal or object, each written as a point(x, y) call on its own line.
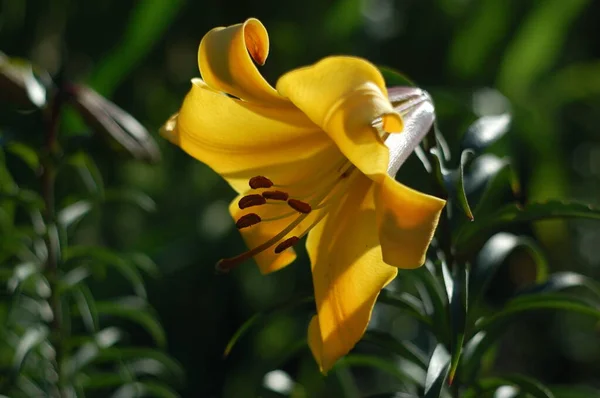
point(444, 231)
point(52, 262)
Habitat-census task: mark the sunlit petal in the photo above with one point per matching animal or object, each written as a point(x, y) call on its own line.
point(348, 274)
point(226, 62)
point(406, 222)
point(344, 96)
point(240, 140)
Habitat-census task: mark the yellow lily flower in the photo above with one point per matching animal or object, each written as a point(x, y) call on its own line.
point(314, 156)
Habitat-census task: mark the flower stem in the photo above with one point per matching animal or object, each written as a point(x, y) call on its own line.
point(48, 175)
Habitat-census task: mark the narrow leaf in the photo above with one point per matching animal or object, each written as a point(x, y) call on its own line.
point(262, 317)
point(134, 312)
point(437, 372)
point(471, 234)
point(485, 131)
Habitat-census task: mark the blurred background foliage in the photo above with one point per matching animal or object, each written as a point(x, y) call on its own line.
point(538, 58)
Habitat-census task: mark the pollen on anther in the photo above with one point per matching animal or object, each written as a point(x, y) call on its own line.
point(247, 220)
point(260, 182)
point(299, 206)
point(251, 200)
point(275, 195)
point(286, 244)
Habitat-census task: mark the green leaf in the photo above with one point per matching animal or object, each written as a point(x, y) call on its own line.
point(494, 254)
point(574, 392)
point(405, 349)
point(484, 132)
point(145, 389)
point(359, 360)
point(459, 298)
point(433, 297)
point(537, 44)
point(21, 274)
point(561, 281)
point(524, 384)
point(128, 354)
point(19, 85)
point(146, 25)
point(73, 213)
point(263, 316)
point(89, 173)
point(73, 278)
point(459, 184)
point(135, 310)
point(87, 307)
point(474, 351)
point(145, 263)
point(393, 77)
point(471, 234)
point(26, 154)
point(407, 303)
point(523, 304)
point(437, 372)
point(32, 339)
point(131, 196)
point(107, 258)
point(490, 183)
point(115, 124)
point(88, 351)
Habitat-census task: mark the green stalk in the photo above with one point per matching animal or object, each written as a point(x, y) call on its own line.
point(48, 176)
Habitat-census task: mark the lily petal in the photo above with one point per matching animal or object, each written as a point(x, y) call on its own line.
point(418, 113)
point(348, 274)
point(406, 222)
point(344, 96)
point(225, 60)
point(240, 140)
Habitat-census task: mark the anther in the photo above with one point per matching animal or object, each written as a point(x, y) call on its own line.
point(286, 244)
point(251, 200)
point(299, 206)
point(247, 220)
point(260, 182)
point(275, 195)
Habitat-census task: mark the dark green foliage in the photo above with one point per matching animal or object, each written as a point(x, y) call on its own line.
point(56, 339)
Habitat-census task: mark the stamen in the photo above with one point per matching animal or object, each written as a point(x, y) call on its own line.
point(286, 244)
point(248, 220)
point(260, 182)
point(227, 264)
point(275, 195)
point(251, 200)
point(299, 206)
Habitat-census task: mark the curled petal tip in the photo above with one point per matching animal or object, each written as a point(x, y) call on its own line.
point(257, 40)
point(392, 123)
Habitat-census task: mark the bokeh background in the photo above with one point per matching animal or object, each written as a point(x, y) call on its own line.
point(542, 57)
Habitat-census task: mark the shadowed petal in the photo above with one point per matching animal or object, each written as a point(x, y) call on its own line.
point(225, 59)
point(406, 222)
point(240, 140)
point(344, 96)
point(348, 274)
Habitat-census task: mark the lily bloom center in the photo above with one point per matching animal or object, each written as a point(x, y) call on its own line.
point(270, 202)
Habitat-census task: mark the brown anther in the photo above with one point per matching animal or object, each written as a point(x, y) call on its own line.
point(286, 244)
point(275, 195)
point(247, 220)
point(299, 206)
point(225, 265)
point(251, 200)
point(260, 182)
